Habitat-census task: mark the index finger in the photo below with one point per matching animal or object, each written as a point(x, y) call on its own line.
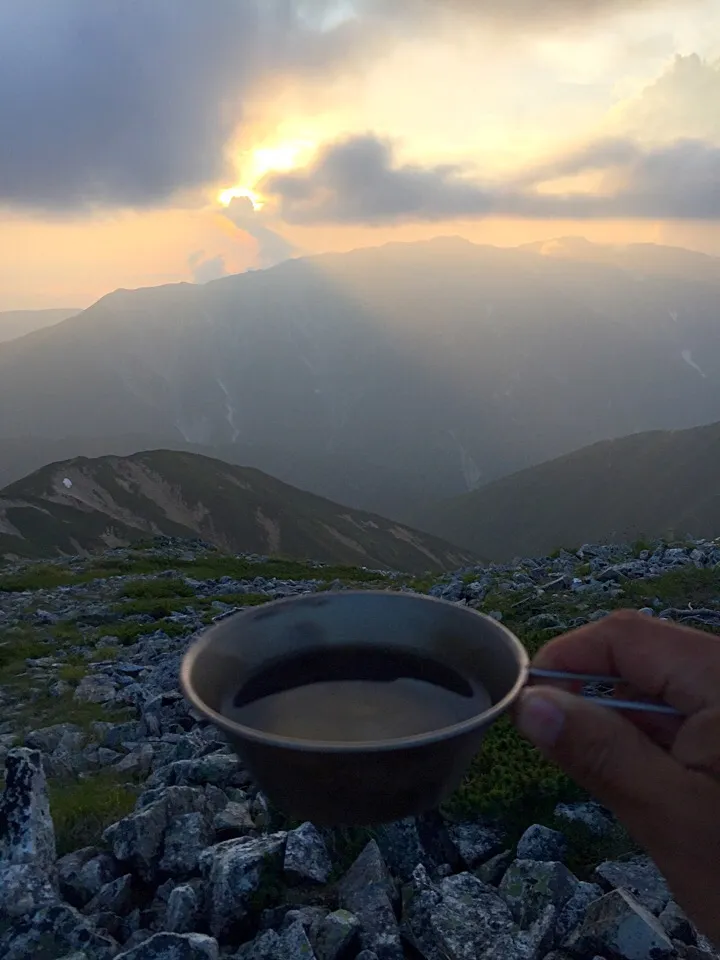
point(676, 664)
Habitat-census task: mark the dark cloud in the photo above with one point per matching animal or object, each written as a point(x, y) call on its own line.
point(272, 248)
point(130, 101)
point(356, 181)
point(127, 102)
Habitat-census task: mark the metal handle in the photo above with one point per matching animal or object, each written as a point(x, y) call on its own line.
point(605, 701)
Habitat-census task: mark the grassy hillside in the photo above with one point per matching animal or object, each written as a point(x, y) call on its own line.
point(90, 504)
point(659, 484)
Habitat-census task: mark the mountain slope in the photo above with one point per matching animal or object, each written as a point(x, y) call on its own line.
point(86, 504)
point(658, 484)
point(445, 363)
point(18, 323)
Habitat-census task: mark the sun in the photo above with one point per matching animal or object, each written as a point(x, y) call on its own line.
point(259, 162)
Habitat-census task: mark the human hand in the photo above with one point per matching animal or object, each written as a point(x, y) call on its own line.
point(660, 775)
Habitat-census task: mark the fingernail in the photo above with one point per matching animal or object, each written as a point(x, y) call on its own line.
point(539, 719)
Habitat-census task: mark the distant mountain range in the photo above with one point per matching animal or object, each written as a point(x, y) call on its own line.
point(17, 323)
point(85, 505)
point(385, 378)
point(652, 485)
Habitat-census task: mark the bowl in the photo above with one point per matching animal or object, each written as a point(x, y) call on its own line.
point(335, 782)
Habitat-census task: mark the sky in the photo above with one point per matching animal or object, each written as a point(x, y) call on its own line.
point(151, 141)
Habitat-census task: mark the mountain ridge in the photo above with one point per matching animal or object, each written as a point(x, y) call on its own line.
point(444, 363)
point(656, 484)
point(88, 504)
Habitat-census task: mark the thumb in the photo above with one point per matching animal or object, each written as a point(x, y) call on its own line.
point(608, 756)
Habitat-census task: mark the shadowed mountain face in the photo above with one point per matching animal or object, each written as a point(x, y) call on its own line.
point(86, 505)
point(382, 378)
point(652, 485)
point(17, 323)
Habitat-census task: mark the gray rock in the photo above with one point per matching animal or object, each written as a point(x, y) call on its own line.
point(95, 689)
point(494, 869)
point(464, 919)
point(676, 923)
point(234, 819)
point(541, 843)
point(220, 769)
point(573, 912)
point(618, 926)
point(529, 886)
point(185, 839)
point(367, 955)
point(367, 891)
point(311, 918)
point(183, 909)
point(48, 739)
point(115, 897)
point(233, 871)
point(289, 944)
point(28, 879)
point(401, 847)
point(336, 935)
point(174, 946)
point(53, 932)
point(138, 839)
point(138, 761)
point(475, 842)
point(590, 815)
point(84, 872)
point(640, 877)
point(306, 856)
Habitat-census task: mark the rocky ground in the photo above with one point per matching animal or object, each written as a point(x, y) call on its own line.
point(129, 829)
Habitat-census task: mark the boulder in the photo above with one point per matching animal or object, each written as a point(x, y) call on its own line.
point(401, 847)
point(183, 909)
point(462, 919)
point(640, 877)
point(233, 819)
point(114, 897)
point(367, 891)
point(173, 946)
point(306, 856)
point(590, 815)
point(53, 932)
point(475, 842)
point(574, 910)
point(337, 934)
point(529, 886)
point(289, 944)
point(185, 839)
point(233, 871)
point(541, 843)
point(618, 926)
point(84, 872)
point(28, 878)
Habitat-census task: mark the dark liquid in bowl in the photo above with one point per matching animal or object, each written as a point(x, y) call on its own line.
point(355, 695)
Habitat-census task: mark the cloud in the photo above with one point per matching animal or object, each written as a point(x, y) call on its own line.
point(130, 102)
point(357, 181)
point(127, 102)
point(530, 13)
point(272, 248)
point(684, 102)
point(204, 269)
